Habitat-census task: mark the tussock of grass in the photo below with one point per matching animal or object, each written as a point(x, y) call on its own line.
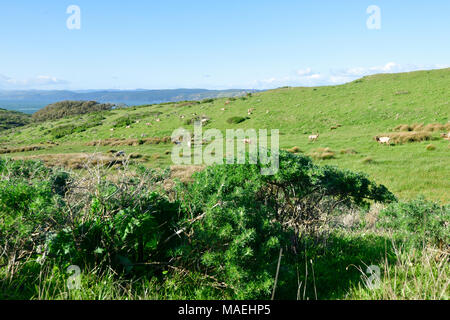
point(294, 150)
point(184, 172)
point(76, 160)
point(407, 137)
point(368, 160)
point(128, 142)
point(156, 156)
point(401, 92)
point(432, 127)
point(348, 151)
point(322, 154)
point(21, 149)
point(336, 127)
point(236, 120)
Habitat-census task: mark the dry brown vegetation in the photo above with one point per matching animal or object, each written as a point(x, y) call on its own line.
point(113, 142)
point(407, 136)
point(335, 127)
point(322, 154)
point(431, 127)
point(76, 160)
point(294, 150)
point(348, 151)
point(184, 172)
point(21, 149)
point(368, 160)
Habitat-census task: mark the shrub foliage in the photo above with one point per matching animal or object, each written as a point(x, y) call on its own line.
point(63, 109)
point(226, 228)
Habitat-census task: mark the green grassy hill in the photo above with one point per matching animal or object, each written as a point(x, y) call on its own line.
point(348, 117)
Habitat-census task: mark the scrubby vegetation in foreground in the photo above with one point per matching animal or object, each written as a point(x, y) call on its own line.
point(220, 236)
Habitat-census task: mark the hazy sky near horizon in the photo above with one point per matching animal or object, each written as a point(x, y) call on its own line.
point(216, 44)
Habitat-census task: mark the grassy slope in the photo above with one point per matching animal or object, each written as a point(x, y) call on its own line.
point(364, 108)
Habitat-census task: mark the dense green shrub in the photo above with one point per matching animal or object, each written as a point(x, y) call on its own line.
point(420, 221)
point(244, 218)
point(124, 121)
point(28, 209)
point(12, 119)
point(120, 239)
point(69, 108)
point(236, 120)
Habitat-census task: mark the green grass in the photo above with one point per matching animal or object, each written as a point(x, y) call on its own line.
point(364, 108)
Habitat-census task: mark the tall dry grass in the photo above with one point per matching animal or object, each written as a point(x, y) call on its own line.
point(431, 127)
point(416, 275)
point(407, 136)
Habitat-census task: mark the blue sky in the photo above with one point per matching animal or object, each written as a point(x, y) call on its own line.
point(215, 44)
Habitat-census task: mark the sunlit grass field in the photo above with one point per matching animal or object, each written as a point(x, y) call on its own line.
point(346, 117)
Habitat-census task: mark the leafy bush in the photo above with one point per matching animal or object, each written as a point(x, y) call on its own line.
point(242, 218)
point(420, 221)
point(12, 119)
point(124, 121)
point(119, 235)
point(236, 120)
point(69, 108)
point(28, 209)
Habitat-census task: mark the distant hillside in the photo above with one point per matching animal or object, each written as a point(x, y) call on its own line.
point(12, 119)
point(121, 96)
point(347, 117)
point(69, 108)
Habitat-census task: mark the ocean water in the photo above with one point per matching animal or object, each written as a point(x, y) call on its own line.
point(23, 106)
point(33, 106)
